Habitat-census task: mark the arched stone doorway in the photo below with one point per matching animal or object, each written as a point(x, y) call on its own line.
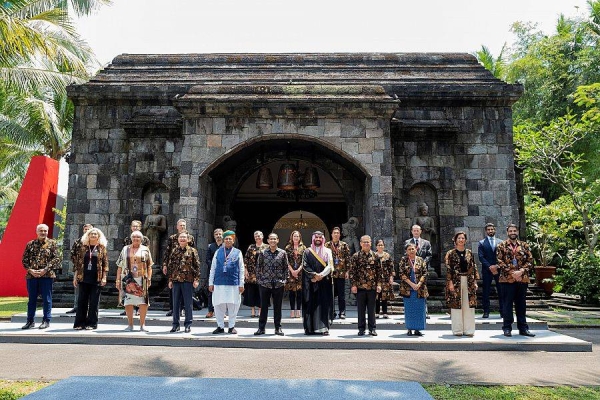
point(304, 222)
point(231, 183)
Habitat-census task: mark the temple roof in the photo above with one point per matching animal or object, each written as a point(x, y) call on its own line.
point(406, 76)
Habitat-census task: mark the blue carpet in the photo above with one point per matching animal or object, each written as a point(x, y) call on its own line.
point(117, 387)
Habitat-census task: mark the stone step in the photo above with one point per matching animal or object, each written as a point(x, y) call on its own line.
point(395, 322)
point(340, 338)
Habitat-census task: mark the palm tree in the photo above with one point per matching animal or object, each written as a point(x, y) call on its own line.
point(39, 45)
point(40, 54)
point(495, 65)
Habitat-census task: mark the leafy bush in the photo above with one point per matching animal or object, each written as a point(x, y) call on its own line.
point(581, 276)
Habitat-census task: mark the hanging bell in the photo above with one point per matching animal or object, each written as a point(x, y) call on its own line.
point(264, 179)
point(287, 178)
point(311, 178)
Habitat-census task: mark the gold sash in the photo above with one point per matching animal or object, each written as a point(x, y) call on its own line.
point(319, 259)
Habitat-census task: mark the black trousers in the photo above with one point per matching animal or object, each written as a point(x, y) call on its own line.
point(514, 293)
point(365, 300)
point(87, 305)
point(265, 300)
point(171, 301)
point(295, 299)
point(381, 304)
point(487, 279)
point(183, 293)
point(339, 290)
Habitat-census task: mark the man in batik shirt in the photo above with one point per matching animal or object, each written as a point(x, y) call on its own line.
point(183, 271)
point(341, 260)
point(271, 275)
point(365, 278)
point(173, 243)
point(40, 259)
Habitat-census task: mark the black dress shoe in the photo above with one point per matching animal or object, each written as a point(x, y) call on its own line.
point(188, 329)
point(409, 333)
point(361, 333)
point(169, 314)
point(507, 333)
point(259, 332)
point(71, 311)
point(485, 315)
point(279, 332)
point(232, 331)
point(526, 333)
point(175, 329)
point(418, 333)
point(28, 325)
point(123, 313)
point(373, 332)
point(44, 324)
point(218, 331)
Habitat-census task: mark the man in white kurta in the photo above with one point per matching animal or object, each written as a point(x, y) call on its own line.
point(226, 282)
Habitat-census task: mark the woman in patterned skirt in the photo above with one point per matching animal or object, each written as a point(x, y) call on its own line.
point(294, 250)
point(413, 287)
point(251, 291)
point(134, 276)
point(386, 266)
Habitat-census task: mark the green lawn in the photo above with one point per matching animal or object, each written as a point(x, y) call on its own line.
point(567, 317)
point(473, 392)
point(10, 390)
point(12, 305)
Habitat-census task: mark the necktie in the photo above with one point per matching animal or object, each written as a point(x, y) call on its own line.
point(492, 243)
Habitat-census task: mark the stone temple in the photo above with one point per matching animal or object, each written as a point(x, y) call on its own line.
point(209, 137)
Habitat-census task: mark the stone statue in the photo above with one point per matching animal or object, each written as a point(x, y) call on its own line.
point(154, 226)
point(426, 223)
point(349, 234)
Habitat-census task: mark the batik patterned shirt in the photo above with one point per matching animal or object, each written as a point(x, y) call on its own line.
point(272, 268)
point(39, 255)
point(341, 258)
point(524, 261)
point(365, 272)
point(184, 265)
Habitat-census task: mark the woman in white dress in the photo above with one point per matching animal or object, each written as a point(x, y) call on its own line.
point(134, 277)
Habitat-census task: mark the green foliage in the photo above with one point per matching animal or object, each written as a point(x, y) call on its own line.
point(476, 392)
point(552, 228)
point(60, 223)
point(496, 65)
point(582, 276)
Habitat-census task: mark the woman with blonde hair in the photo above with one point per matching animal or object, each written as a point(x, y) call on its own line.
point(134, 277)
point(90, 271)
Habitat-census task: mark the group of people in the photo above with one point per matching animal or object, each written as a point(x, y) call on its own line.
point(313, 276)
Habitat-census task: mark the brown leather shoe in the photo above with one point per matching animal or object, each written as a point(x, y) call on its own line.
point(210, 314)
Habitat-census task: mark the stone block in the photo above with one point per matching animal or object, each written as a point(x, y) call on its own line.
point(214, 141)
point(474, 197)
point(365, 146)
point(477, 149)
point(350, 147)
point(91, 181)
point(218, 126)
point(374, 133)
point(487, 197)
point(312, 130)
point(332, 128)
